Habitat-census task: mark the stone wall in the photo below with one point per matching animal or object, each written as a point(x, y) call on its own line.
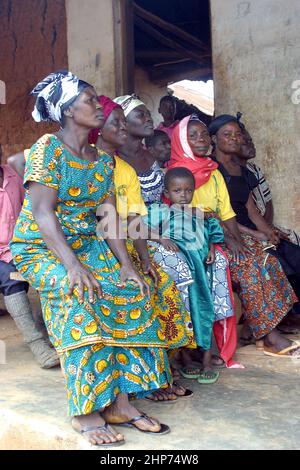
point(256, 63)
point(32, 44)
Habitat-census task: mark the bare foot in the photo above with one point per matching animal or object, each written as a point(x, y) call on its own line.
point(122, 412)
point(95, 436)
point(163, 394)
point(276, 342)
point(217, 361)
point(180, 390)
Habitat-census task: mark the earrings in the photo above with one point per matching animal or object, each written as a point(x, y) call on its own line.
point(209, 151)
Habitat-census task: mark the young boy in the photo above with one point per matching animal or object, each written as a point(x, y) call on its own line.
point(195, 236)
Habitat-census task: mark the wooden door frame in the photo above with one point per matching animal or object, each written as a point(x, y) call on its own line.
point(124, 46)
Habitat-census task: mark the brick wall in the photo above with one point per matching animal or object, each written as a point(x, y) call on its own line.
point(32, 44)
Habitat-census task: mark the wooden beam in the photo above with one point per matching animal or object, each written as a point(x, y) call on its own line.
point(168, 42)
point(180, 33)
point(163, 77)
point(124, 46)
point(171, 62)
point(157, 54)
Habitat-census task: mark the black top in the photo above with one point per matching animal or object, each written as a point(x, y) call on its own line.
point(239, 188)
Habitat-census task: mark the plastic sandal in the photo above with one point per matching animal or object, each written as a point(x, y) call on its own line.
point(186, 375)
point(203, 379)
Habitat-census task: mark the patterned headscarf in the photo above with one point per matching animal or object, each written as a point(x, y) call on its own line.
point(128, 103)
point(56, 93)
point(108, 106)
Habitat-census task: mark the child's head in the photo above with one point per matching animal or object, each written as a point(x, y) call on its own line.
point(159, 146)
point(167, 108)
point(179, 185)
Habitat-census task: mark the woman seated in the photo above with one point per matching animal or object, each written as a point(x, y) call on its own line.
point(264, 290)
point(175, 319)
point(240, 183)
point(261, 193)
point(151, 177)
point(98, 310)
point(263, 201)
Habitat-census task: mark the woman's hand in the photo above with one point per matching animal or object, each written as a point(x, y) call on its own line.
point(260, 236)
point(149, 269)
point(237, 248)
point(211, 255)
point(282, 235)
point(273, 236)
point(168, 244)
point(79, 275)
point(128, 273)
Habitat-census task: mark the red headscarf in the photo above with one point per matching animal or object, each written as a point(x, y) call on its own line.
point(108, 106)
point(182, 155)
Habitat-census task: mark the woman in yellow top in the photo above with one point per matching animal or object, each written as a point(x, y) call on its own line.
point(174, 317)
point(263, 287)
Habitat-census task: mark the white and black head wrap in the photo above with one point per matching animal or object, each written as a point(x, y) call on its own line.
point(56, 93)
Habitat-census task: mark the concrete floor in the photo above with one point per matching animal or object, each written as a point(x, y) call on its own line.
point(255, 408)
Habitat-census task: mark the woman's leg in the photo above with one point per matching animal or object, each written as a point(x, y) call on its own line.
point(122, 411)
point(92, 427)
point(265, 293)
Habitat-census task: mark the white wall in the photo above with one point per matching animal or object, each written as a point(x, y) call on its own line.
point(256, 58)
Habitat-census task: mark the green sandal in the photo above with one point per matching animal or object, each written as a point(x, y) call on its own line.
point(193, 375)
point(208, 377)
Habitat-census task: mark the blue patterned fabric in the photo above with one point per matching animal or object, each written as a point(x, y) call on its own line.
point(152, 184)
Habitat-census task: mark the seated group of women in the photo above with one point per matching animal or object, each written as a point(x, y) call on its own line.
point(138, 263)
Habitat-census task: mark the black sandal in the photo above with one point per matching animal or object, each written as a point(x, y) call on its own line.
point(164, 429)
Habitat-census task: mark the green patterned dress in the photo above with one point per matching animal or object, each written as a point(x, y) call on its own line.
point(117, 344)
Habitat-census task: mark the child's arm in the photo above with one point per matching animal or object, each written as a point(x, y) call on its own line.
point(154, 233)
point(154, 236)
point(211, 254)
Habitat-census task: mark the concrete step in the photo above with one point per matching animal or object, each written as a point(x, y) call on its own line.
point(254, 408)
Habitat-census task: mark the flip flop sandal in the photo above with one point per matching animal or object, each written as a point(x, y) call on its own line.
point(283, 353)
point(203, 379)
point(102, 428)
point(187, 394)
point(186, 375)
point(164, 428)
